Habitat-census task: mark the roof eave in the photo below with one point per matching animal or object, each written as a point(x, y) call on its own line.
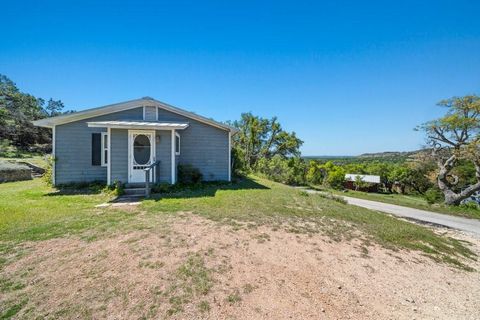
point(90, 113)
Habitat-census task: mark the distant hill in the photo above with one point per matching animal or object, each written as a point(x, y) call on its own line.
point(388, 156)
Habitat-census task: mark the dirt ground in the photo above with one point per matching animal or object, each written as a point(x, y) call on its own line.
point(197, 268)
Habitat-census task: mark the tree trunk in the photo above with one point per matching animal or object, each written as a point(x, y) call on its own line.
point(451, 197)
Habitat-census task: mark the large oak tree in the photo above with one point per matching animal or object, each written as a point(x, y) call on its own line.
point(263, 138)
point(454, 139)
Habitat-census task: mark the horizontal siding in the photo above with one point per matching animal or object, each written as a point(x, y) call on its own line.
point(119, 157)
point(163, 152)
point(73, 148)
point(202, 146)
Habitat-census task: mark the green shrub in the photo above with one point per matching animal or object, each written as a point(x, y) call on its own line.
point(188, 174)
point(118, 188)
point(333, 197)
point(336, 178)
point(433, 195)
point(290, 171)
point(163, 187)
point(470, 205)
point(48, 175)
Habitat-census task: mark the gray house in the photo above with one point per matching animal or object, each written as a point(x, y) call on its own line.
point(117, 142)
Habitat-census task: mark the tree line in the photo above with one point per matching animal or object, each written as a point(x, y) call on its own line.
point(448, 169)
point(17, 111)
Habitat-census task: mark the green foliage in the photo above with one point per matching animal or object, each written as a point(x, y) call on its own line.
point(471, 205)
point(188, 174)
point(335, 178)
point(315, 173)
point(18, 110)
point(48, 175)
point(260, 138)
point(433, 195)
point(327, 174)
point(333, 197)
point(360, 184)
point(288, 171)
point(116, 189)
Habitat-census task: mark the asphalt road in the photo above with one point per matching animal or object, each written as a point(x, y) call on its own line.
point(465, 224)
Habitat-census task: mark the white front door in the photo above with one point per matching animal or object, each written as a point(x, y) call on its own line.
point(141, 154)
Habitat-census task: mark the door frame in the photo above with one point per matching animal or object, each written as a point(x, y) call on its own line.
point(130, 149)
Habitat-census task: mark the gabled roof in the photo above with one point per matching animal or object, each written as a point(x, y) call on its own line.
point(143, 102)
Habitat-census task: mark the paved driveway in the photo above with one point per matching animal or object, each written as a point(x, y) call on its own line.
point(464, 224)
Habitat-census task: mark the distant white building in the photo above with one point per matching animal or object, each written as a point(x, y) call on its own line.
point(365, 178)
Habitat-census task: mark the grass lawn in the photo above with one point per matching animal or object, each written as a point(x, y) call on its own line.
point(30, 211)
point(259, 201)
point(413, 202)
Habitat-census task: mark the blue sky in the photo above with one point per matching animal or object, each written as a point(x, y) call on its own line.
point(347, 76)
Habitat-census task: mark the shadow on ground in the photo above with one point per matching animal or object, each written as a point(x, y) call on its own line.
point(78, 189)
point(207, 189)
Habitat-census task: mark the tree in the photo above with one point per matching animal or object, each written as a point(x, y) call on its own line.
point(360, 184)
point(455, 138)
point(263, 138)
point(315, 173)
point(334, 175)
point(18, 110)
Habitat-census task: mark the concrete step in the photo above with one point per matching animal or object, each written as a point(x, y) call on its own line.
point(135, 185)
point(135, 191)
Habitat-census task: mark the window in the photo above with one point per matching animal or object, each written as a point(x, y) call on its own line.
point(177, 144)
point(104, 148)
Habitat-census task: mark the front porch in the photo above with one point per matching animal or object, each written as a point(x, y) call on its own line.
point(140, 152)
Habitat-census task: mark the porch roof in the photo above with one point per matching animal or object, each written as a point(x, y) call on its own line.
point(156, 125)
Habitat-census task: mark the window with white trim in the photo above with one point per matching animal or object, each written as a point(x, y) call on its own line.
point(104, 149)
point(177, 144)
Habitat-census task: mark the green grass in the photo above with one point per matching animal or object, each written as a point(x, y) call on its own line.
point(32, 211)
point(192, 280)
point(413, 201)
point(260, 201)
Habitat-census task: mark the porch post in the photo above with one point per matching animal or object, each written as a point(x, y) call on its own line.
point(174, 178)
point(54, 155)
point(229, 156)
point(109, 156)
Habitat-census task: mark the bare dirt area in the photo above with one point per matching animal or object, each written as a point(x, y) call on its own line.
point(196, 268)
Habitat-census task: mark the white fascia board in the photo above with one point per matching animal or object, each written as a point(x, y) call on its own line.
point(137, 127)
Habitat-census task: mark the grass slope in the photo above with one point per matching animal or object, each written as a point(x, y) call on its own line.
point(32, 211)
point(259, 201)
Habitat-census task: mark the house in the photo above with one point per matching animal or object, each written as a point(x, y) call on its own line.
point(118, 142)
point(372, 182)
